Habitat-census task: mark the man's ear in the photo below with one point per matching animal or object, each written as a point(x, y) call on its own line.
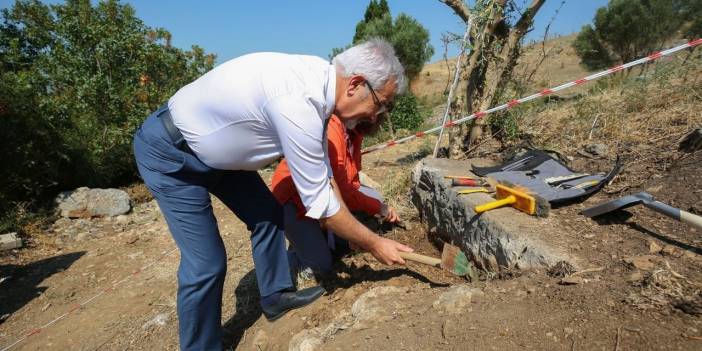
point(355, 82)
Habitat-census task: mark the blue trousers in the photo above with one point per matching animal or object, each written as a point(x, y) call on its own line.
point(182, 185)
point(310, 245)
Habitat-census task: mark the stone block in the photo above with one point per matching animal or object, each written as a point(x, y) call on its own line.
point(501, 238)
point(10, 241)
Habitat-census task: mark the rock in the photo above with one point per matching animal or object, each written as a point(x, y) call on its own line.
point(372, 306)
point(571, 280)
point(122, 219)
point(635, 277)
point(87, 203)
point(597, 149)
point(654, 248)
point(131, 238)
point(260, 340)
point(10, 241)
point(62, 222)
point(305, 340)
point(159, 320)
point(644, 263)
point(456, 299)
point(670, 250)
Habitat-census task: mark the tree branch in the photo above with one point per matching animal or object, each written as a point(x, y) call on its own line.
point(459, 7)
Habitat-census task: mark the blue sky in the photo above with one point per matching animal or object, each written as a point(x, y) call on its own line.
point(230, 28)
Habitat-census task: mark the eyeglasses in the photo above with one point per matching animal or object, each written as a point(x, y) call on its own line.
point(385, 108)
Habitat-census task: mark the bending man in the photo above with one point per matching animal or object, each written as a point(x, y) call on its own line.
point(214, 134)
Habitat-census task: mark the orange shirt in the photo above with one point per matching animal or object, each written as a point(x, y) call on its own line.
point(345, 160)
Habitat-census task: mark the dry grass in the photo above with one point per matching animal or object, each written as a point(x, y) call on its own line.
point(560, 65)
point(662, 287)
point(139, 193)
point(634, 116)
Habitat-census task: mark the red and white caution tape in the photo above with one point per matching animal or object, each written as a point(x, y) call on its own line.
point(477, 115)
point(77, 306)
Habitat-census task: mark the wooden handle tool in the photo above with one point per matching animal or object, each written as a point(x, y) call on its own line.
point(421, 259)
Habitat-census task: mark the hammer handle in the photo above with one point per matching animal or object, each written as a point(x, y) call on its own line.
point(420, 258)
point(495, 204)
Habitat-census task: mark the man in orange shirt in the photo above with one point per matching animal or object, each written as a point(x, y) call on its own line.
point(313, 246)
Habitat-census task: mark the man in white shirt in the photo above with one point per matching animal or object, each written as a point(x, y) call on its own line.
point(217, 131)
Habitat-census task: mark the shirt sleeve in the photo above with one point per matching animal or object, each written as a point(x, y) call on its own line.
point(300, 128)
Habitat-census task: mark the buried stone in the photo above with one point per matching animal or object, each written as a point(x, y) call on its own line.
point(456, 299)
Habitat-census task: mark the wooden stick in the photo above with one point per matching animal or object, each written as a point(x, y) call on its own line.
point(421, 258)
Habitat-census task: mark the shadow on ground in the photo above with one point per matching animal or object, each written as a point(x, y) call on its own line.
point(626, 218)
point(356, 275)
point(21, 284)
point(248, 310)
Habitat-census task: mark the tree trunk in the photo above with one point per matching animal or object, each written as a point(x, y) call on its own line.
point(474, 73)
point(455, 134)
point(507, 60)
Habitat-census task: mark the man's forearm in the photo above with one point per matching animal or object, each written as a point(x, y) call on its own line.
point(345, 225)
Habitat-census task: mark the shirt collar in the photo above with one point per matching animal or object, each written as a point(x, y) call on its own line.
point(330, 90)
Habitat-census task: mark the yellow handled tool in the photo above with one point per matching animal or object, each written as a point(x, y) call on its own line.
point(518, 199)
point(511, 199)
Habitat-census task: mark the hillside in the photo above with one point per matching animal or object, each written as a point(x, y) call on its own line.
point(561, 64)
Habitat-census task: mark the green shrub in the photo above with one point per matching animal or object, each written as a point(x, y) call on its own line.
point(77, 79)
point(406, 113)
point(627, 29)
point(409, 38)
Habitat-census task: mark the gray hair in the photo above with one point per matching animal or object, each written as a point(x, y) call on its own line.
point(375, 60)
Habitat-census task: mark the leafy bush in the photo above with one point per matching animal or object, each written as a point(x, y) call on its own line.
point(77, 79)
point(406, 114)
point(627, 29)
point(407, 36)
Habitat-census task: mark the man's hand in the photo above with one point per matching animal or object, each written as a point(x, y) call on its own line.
point(389, 214)
point(387, 251)
point(346, 226)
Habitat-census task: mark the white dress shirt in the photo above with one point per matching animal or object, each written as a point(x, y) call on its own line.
point(250, 111)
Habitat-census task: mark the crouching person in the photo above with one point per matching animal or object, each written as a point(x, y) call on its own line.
point(313, 248)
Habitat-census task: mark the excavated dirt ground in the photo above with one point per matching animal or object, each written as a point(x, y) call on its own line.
point(642, 291)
